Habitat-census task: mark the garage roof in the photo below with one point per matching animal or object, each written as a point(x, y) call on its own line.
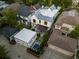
point(25, 35)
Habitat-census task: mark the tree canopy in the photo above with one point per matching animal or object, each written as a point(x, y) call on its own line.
point(9, 1)
point(30, 2)
point(3, 54)
point(10, 17)
point(63, 3)
point(75, 32)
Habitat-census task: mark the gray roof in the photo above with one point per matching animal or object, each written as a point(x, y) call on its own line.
point(42, 17)
point(68, 19)
point(24, 11)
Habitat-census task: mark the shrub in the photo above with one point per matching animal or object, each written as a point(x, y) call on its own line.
point(38, 34)
point(20, 26)
point(29, 26)
point(3, 54)
point(44, 39)
point(33, 29)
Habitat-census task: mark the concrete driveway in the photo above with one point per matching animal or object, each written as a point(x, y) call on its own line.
point(19, 52)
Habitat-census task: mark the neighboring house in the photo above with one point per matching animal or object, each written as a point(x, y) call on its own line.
point(75, 2)
point(3, 4)
point(67, 21)
point(45, 16)
point(23, 12)
point(25, 37)
point(64, 25)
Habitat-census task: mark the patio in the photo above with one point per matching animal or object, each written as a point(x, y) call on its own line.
point(41, 29)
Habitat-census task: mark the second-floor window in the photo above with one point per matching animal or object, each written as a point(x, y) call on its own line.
point(45, 23)
point(34, 20)
point(39, 21)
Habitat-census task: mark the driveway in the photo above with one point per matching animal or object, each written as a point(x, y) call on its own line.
point(62, 41)
point(19, 52)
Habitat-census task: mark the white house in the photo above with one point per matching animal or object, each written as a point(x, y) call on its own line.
point(25, 37)
point(45, 16)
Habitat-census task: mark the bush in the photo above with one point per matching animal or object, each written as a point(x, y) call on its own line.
point(44, 40)
point(29, 26)
point(33, 29)
point(38, 35)
point(75, 33)
point(21, 26)
point(3, 54)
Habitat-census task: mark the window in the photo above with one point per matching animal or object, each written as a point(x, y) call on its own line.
point(39, 21)
point(34, 20)
point(45, 23)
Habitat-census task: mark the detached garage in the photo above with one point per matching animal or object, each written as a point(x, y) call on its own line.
point(25, 37)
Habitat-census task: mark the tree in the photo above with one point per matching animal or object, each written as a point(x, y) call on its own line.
point(46, 2)
point(30, 2)
point(63, 3)
point(3, 54)
point(9, 1)
point(75, 34)
point(10, 16)
point(20, 26)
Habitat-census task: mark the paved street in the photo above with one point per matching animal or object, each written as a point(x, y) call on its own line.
point(62, 41)
point(19, 52)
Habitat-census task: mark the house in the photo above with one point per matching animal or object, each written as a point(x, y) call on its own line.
point(23, 12)
point(67, 21)
point(25, 37)
point(3, 4)
point(75, 2)
point(45, 16)
point(64, 25)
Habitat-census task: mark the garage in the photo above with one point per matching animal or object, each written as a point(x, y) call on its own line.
point(25, 37)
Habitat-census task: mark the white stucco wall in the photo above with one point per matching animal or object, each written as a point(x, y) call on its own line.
point(25, 43)
point(21, 42)
point(32, 41)
point(42, 22)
